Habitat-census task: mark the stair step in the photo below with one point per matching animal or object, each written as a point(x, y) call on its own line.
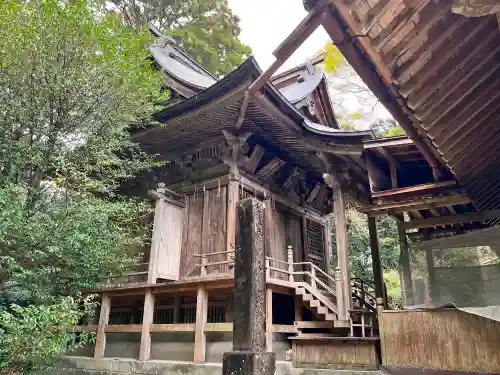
point(314, 303)
point(322, 310)
point(307, 297)
point(300, 291)
point(314, 335)
point(330, 317)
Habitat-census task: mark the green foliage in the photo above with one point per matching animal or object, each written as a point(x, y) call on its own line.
point(33, 336)
point(387, 128)
point(334, 58)
point(72, 81)
point(206, 29)
point(392, 283)
point(359, 244)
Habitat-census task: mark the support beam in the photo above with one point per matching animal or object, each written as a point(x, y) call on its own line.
point(451, 219)
point(339, 211)
point(404, 264)
point(200, 340)
point(298, 308)
point(378, 276)
point(270, 168)
point(415, 204)
point(254, 159)
point(100, 342)
point(147, 320)
point(414, 190)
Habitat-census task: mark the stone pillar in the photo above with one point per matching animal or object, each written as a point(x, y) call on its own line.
point(249, 354)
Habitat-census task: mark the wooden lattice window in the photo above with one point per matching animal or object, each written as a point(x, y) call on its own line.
point(315, 246)
point(216, 313)
point(120, 316)
point(164, 315)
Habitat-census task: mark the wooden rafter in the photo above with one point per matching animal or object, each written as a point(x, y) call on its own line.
point(416, 189)
point(415, 204)
point(270, 168)
point(452, 219)
point(254, 159)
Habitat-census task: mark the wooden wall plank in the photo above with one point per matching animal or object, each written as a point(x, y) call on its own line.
point(194, 232)
point(217, 228)
point(446, 339)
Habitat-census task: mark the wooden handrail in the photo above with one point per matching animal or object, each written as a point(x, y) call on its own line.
point(215, 263)
point(213, 254)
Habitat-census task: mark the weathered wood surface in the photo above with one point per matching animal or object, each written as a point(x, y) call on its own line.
point(100, 342)
point(328, 353)
point(442, 339)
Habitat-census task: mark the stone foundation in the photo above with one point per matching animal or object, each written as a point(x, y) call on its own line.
point(109, 366)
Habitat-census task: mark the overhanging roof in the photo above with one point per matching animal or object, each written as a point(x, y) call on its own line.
point(438, 73)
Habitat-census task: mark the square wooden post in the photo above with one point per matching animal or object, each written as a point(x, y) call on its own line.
point(249, 356)
point(200, 340)
point(100, 342)
point(404, 264)
point(378, 277)
point(339, 211)
point(269, 320)
point(147, 320)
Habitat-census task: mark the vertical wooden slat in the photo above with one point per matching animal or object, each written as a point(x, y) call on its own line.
point(147, 320)
point(327, 231)
point(201, 319)
point(100, 343)
point(205, 231)
point(269, 320)
point(232, 200)
point(185, 234)
point(156, 241)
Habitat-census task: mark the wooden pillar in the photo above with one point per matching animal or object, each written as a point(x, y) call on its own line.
point(100, 342)
point(269, 320)
point(200, 341)
point(341, 310)
point(342, 244)
point(431, 273)
point(378, 276)
point(404, 264)
point(156, 236)
point(177, 309)
point(298, 308)
point(147, 320)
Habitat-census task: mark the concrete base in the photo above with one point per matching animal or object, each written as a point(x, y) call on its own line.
point(248, 363)
point(110, 366)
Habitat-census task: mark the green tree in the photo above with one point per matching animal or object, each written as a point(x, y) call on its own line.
point(360, 261)
point(387, 128)
point(72, 80)
point(206, 29)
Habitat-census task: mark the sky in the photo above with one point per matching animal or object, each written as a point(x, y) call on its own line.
point(266, 23)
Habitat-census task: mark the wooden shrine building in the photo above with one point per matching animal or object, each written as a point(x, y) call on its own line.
point(275, 138)
point(218, 145)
